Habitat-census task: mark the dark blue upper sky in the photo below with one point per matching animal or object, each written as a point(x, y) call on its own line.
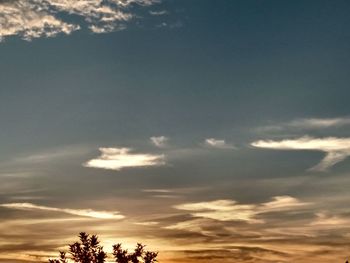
point(225, 64)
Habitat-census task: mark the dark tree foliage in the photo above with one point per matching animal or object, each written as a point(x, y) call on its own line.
point(89, 250)
point(140, 255)
point(62, 258)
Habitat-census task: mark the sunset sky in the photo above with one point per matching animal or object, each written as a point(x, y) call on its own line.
point(210, 130)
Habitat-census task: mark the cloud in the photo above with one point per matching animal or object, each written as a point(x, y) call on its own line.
point(336, 149)
point(150, 223)
point(139, 2)
point(195, 225)
point(230, 210)
point(218, 143)
point(221, 210)
point(47, 18)
point(314, 123)
point(166, 196)
point(27, 19)
point(161, 193)
point(324, 219)
point(306, 124)
point(158, 13)
point(282, 203)
point(120, 158)
point(53, 154)
point(157, 191)
point(238, 254)
point(160, 141)
point(79, 212)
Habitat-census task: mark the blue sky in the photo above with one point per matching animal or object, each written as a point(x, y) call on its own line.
point(205, 128)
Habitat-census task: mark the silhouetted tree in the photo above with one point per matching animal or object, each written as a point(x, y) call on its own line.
point(62, 258)
point(138, 256)
point(89, 250)
point(150, 257)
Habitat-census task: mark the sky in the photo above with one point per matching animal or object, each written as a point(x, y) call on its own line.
point(209, 130)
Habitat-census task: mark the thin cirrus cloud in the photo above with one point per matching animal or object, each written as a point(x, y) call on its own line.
point(320, 123)
point(52, 154)
point(218, 143)
point(36, 18)
point(150, 223)
point(308, 124)
point(78, 212)
point(120, 158)
point(230, 210)
point(160, 141)
point(157, 191)
point(194, 225)
point(336, 149)
point(161, 193)
point(158, 13)
point(327, 220)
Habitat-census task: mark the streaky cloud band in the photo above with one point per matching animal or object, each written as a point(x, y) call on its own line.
point(79, 212)
point(336, 149)
point(230, 210)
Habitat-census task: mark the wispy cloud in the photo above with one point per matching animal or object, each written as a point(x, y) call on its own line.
point(160, 141)
point(166, 196)
point(36, 18)
point(149, 223)
point(282, 203)
point(306, 124)
point(161, 193)
point(120, 158)
point(158, 13)
point(336, 149)
point(157, 191)
point(218, 143)
point(230, 210)
point(221, 210)
point(53, 154)
point(79, 212)
point(194, 225)
point(319, 123)
point(324, 219)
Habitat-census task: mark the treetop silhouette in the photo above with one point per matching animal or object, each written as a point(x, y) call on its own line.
point(89, 250)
